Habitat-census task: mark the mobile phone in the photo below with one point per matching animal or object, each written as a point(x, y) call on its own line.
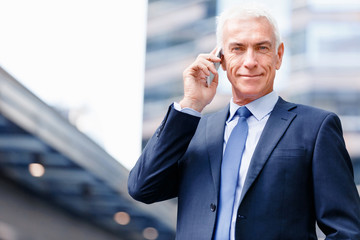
point(210, 78)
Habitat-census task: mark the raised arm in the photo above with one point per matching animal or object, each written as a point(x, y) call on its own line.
point(155, 175)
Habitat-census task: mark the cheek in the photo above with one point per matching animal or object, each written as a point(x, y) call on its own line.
point(272, 69)
point(232, 65)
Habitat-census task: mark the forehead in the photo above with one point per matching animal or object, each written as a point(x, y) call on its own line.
point(248, 30)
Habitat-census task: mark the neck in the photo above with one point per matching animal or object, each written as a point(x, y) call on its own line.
point(241, 99)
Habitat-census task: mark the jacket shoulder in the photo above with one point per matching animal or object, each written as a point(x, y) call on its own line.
point(302, 108)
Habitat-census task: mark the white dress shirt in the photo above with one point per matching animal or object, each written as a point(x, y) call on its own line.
point(260, 110)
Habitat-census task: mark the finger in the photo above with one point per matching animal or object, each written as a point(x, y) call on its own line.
point(214, 82)
point(210, 66)
point(213, 52)
point(208, 60)
point(208, 57)
point(203, 60)
point(213, 57)
point(206, 67)
point(198, 71)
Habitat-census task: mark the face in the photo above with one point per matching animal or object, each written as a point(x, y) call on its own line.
point(250, 57)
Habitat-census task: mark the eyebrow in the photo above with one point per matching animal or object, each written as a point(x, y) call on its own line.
point(266, 42)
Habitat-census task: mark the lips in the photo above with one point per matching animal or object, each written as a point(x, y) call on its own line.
point(250, 75)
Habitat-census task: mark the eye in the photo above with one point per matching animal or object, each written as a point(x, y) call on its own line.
point(263, 48)
point(238, 49)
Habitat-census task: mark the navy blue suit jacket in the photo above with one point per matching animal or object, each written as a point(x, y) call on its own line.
point(300, 174)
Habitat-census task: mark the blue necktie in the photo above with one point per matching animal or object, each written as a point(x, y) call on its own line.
point(229, 174)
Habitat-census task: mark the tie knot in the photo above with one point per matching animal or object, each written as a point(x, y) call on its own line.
point(243, 112)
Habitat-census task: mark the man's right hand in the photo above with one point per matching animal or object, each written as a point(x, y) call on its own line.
point(197, 94)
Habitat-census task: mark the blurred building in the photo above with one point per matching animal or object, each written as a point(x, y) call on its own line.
point(56, 183)
point(325, 63)
point(177, 31)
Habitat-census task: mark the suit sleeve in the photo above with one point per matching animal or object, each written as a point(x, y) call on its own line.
point(337, 202)
point(155, 176)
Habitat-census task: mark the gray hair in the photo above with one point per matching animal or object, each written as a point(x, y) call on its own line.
point(246, 11)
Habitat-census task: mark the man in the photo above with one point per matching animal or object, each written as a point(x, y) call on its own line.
point(290, 171)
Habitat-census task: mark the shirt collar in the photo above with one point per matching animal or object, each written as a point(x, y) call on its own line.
point(259, 108)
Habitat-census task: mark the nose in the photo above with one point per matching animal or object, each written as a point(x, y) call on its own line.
point(250, 60)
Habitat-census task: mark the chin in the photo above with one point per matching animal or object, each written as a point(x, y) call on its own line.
point(249, 93)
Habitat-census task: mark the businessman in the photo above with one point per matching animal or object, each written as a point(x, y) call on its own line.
point(261, 168)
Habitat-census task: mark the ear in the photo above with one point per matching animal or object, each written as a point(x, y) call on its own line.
point(223, 64)
point(280, 54)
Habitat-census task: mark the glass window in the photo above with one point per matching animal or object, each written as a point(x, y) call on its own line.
point(335, 6)
point(333, 44)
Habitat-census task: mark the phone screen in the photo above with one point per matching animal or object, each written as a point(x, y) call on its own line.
point(217, 65)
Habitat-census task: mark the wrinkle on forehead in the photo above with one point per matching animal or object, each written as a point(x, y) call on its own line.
point(248, 30)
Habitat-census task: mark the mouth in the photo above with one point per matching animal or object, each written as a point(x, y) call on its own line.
point(250, 76)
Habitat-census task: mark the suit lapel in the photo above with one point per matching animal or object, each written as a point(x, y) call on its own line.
point(274, 129)
point(215, 127)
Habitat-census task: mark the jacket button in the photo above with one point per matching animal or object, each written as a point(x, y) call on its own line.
point(212, 207)
point(241, 216)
